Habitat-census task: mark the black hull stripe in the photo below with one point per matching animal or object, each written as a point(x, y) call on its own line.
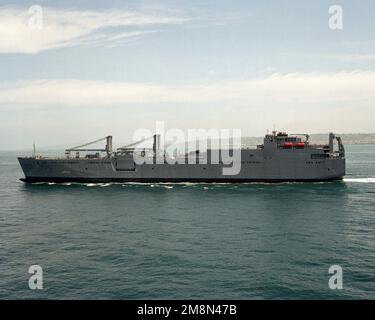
point(176, 180)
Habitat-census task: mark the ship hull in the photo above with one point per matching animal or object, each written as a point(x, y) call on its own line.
point(255, 166)
point(170, 180)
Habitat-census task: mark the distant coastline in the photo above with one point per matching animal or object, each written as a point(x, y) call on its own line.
point(318, 138)
point(322, 138)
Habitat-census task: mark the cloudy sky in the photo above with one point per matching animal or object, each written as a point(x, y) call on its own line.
point(79, 70)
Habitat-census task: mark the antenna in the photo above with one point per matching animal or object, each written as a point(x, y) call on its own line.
point(274, 132)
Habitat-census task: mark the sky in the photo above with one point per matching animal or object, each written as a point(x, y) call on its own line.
point(80, 70)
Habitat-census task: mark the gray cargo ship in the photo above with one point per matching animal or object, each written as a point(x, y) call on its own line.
point(280, 158)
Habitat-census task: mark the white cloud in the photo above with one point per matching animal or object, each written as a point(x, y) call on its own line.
point(294, 90)
point(355, 57)
point(77, 110)
point(64, 28)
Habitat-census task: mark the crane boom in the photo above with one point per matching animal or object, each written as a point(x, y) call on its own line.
point(80, 147)
point(135, 143)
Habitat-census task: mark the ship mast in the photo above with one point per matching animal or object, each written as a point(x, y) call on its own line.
point(34, 151)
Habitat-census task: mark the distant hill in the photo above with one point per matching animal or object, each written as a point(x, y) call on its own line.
point(320, 138)
point(347, 138)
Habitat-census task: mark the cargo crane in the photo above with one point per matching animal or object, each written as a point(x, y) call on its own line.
point(108, 147)
point(155, 148)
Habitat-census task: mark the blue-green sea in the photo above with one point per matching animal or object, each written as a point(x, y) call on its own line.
point(189, 241)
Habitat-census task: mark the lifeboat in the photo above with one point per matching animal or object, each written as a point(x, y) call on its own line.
point(287, 145)
point(295, 145)
point(299, 145)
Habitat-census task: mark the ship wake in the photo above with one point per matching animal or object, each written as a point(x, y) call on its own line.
point(360, 180)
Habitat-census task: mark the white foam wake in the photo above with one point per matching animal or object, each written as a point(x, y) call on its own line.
point(360, 180)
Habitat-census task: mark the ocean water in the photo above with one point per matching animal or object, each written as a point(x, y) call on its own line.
point(189, 241)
